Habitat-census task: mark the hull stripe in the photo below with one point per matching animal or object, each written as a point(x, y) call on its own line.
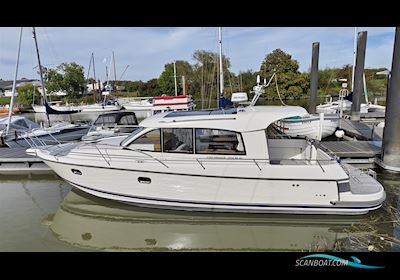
point(221, 204)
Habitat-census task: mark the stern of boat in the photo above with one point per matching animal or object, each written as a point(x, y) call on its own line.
point(362, 190)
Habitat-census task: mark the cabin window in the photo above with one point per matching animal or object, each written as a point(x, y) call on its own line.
point(21, 123)
point(128, 120)
point(178, 140)
point(150, 141)
point(215, 141)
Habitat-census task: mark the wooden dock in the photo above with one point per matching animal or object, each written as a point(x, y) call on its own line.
point(16, 160)
point(353, 149)
point(361, 130)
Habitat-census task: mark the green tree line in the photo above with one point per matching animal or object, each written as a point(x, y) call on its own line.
point(201, 79)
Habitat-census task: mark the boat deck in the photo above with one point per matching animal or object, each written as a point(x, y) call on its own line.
point(353, 149)
point(362, 130)
point(360, 182)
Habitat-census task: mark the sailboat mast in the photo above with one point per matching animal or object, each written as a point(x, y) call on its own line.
point(40, 65)
point(44, 98)
point(14, 83)
point(221, 72)
point(115, 72)
point(176, 87)
point(354, 58)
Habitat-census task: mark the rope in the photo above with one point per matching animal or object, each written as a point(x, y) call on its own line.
point(277, 90)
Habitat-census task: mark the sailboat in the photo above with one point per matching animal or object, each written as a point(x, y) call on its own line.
point(17, 131)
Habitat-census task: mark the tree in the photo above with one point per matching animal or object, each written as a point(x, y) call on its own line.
point(73, 77)
point(150, 88)
point(53, 80)
point(25, 94)
point(67, 77)
point(291, 83)
point(166, 79)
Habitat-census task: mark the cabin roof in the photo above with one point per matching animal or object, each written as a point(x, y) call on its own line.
point(250, 118)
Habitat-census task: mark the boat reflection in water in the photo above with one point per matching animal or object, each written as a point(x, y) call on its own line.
point(88, 221)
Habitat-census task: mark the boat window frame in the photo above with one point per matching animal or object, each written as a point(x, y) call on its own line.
point(145, 130)
point(129, 139)
point(142, 134)
point(225, 154)
point(178, 152)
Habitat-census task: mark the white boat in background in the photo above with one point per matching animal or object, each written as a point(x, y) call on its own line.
point(25, 133)
point(159, 104)
point(112, 124)
point(142, 108)
point(98, 107)
point(172, 103)
point(223, 161)
point(55, 106)
point(311, 126)
point(334, 107)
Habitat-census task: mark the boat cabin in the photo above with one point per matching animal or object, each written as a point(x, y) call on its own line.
point(236, 132)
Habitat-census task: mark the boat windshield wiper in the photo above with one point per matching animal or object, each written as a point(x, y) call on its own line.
point(139, 151)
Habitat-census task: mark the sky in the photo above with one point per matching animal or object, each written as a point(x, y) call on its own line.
point(146, 50)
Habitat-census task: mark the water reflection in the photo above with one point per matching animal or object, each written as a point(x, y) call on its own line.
point(91, 222)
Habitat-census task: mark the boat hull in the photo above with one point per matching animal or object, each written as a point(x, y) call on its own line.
point(309, 128)
point(214, 193)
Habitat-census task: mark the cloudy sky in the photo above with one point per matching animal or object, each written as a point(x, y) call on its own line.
point(147, 50)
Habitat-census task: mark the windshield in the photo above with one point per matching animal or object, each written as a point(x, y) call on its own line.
point(132, 135)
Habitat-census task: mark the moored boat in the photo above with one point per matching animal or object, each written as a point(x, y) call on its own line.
point(223, 161)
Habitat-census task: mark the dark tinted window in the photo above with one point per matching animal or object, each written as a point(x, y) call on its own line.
point(128, 120)
point(178, 140)
point(215, 141)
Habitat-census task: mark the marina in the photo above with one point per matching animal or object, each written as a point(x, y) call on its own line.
point(237, 171)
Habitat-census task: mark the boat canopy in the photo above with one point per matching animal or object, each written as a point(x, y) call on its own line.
point(246, 119)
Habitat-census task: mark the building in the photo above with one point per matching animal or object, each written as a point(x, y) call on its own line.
point(6, 86)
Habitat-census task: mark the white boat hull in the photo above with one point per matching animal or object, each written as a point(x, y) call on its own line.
point(223, 193)
point(98, 108)
point(308, 128)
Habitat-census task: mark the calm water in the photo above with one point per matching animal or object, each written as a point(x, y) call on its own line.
point(44, 213)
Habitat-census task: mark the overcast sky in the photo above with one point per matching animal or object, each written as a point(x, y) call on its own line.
point(147, 50)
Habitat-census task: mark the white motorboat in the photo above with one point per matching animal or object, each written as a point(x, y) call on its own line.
point(142, 108)
point(172, 103)
point(334, 107)
point(224, 161)
point(112, 124)
point(159, 104)
point(311, 126)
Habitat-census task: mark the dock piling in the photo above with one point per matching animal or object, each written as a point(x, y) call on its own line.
point(314, 78)
point(358, 92)
point(391, 134)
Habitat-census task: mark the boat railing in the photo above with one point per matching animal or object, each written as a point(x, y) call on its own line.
point(104, 150)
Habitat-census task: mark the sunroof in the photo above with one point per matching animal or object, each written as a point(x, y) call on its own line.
point(201, 113)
